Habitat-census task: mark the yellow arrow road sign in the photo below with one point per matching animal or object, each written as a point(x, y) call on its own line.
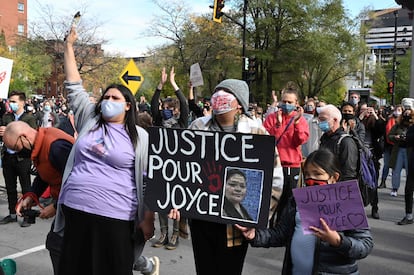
point(131, 77)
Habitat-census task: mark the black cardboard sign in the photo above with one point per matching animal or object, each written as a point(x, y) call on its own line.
point(187, 169)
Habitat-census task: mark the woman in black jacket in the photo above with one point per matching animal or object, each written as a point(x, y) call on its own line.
point(326, 251)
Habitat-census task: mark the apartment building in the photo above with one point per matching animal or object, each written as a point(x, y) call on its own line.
point(389, 28)
point(13, 20)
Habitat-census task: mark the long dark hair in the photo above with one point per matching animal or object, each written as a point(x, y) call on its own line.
point(130, 116)
point(324, 159)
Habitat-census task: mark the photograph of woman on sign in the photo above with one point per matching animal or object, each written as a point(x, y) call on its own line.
point(236, 203)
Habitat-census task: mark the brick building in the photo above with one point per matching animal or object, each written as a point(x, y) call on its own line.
point(13, 20)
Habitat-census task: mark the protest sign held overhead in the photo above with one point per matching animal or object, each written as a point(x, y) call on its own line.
point(214, 176)
point(196, 77)
point(339, 204)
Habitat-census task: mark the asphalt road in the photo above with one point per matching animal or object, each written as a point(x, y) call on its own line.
point(393, 252)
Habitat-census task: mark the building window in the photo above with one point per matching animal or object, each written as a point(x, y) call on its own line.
point(20, 7)
point(20, 29)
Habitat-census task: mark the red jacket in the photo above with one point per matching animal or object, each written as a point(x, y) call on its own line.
point(390, 123)
point(40, 157)
point(289, 141)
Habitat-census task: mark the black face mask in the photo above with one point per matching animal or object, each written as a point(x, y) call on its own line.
point(25, 152)
point(347, 116)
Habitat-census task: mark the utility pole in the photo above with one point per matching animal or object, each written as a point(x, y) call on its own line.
point(394, 57)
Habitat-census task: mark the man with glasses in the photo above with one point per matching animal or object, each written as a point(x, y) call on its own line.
point(16, 164)
point(330, 124)
point(49, 149)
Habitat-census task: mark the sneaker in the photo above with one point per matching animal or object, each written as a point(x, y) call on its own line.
point(374, 214)
point(163, 240)
point(25, 222)
point(155, 266)
point(8, 219)
point(405, 221)
point(173, 242)
point(394, 194)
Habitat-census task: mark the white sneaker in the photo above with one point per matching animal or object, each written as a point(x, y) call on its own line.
point(394, 194)
point(155, 265)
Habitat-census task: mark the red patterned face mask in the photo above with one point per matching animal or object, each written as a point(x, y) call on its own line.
point(221, 102)
point(312, 182)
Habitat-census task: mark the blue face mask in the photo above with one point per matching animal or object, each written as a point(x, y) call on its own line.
point(167, 114)
point(47, 108)
point(111, 108)
point(287, 108)
point(14, 106)
point(324, 126)
point(354, 101)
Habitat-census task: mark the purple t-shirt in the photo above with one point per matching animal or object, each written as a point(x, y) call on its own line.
point(102, 180)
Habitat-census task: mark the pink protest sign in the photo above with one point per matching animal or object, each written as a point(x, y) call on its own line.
point(339, 204)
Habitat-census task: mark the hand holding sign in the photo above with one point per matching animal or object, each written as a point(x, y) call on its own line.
point(340, 205)
point(326, 234)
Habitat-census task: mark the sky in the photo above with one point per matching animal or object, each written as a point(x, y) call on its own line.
point(125, 21)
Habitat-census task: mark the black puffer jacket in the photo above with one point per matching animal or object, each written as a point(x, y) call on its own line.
point(356, 244)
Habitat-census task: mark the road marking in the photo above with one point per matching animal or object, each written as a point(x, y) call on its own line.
point(25, 252)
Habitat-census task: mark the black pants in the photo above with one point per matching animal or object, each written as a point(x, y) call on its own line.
point(290, 181)
point(374, 199)
point(15, 167)
point(211, 254)
point(54, 244)
point(409, 187)
point(96, 245)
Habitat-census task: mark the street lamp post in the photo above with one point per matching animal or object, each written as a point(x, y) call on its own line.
point(394, 57)
point(412, 58)
point(244, 69)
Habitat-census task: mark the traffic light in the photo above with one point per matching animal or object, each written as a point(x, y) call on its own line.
point(406, 4)
point(217, 13)
point(390, 87)
point(252, 69)
point(246, 63)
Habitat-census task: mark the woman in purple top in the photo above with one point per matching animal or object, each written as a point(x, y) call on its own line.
point(101, 206)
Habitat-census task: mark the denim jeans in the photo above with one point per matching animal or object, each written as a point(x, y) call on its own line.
point(386, 167)
point(400, 163)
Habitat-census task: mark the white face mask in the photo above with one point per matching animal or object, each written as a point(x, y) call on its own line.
point(111, 108)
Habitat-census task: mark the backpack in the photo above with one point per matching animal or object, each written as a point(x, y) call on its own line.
point(366, 172)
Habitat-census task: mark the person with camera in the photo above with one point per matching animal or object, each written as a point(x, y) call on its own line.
point(409, 184)
point(291, 130)
point(49, 148)
point(391, 115)
point(399, 154)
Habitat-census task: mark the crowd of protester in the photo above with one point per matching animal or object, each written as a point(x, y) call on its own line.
point(309, 128)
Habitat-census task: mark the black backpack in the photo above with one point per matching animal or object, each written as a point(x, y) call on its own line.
point(366, 172)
